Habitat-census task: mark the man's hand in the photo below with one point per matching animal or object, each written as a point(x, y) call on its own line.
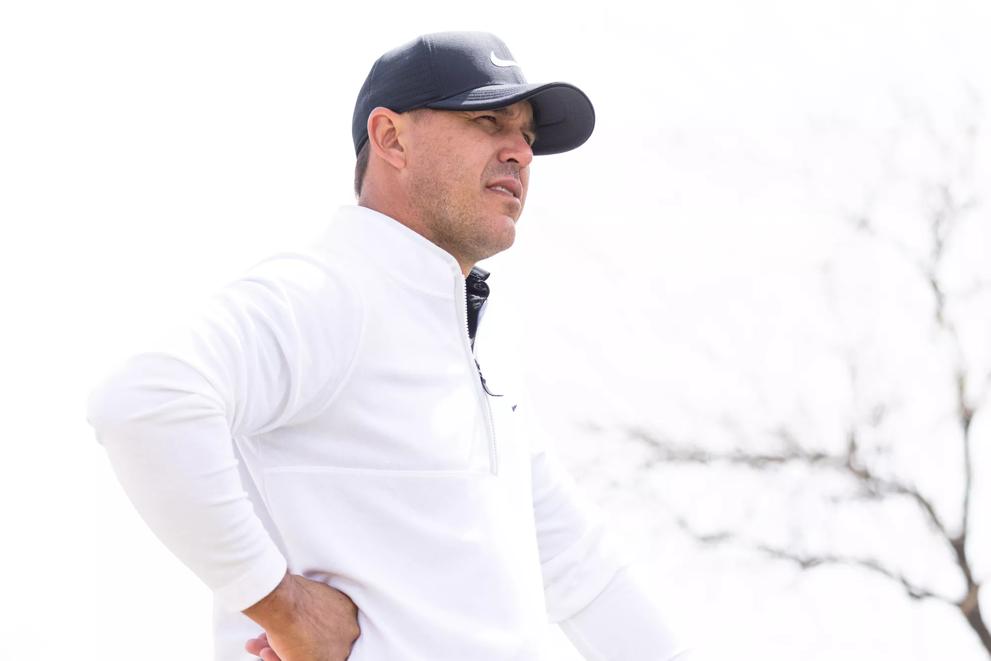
point(304, 620)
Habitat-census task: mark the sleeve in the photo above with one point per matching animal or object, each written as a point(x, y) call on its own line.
point(591, 588)
point(269, 347)
point(623, 623)
point(577, 556)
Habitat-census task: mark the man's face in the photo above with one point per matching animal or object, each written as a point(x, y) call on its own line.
point(468, 173)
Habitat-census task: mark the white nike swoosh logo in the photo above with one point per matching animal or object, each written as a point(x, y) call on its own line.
point(500, 62)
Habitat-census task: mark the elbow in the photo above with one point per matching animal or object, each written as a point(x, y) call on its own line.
point(107, 404)
point(148, 391)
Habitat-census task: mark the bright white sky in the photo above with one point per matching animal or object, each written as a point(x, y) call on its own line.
point(151, 151)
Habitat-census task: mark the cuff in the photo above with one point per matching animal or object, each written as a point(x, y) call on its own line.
point(256, 583)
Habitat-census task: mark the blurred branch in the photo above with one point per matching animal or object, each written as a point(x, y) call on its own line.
point(811, 561)
point(943, 221)
point(872, 485)
point(950, 196)
point(808, 561)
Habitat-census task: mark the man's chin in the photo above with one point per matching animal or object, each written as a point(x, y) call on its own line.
point(509, 230)
point(502, 240)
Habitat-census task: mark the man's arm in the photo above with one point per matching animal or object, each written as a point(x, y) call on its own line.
point(266, 348)
point(624, 622)
point(165, 429)
point(591, 591)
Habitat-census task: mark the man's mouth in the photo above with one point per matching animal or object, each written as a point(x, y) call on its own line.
point(502, 189)
point(508, 186)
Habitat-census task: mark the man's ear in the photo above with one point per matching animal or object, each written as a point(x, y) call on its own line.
point(385, 136)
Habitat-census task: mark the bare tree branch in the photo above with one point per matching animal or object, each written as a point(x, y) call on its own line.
point(951, 198)
point(808, 561)
point(943, 221)
point(873, 484)
point(811, 561)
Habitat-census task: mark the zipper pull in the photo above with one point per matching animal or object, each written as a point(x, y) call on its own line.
point(481, 376)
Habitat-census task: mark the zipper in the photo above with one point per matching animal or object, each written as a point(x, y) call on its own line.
point(479, 387)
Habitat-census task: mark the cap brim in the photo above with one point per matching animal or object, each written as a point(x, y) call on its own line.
point(563, 115)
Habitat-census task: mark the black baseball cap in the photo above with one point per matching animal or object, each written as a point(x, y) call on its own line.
point(470, 71)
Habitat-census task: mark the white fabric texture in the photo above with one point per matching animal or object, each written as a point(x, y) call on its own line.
point(623, 623)
point(324, 414)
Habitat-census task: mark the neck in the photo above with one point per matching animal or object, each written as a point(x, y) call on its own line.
point(403, 215)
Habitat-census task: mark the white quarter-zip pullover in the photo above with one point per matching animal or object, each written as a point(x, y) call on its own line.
point(324, 414)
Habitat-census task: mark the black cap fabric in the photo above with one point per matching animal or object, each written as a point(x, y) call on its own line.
point(470, 71)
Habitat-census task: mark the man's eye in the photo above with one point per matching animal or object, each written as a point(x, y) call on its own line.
point(528, 138)
point(489, 117)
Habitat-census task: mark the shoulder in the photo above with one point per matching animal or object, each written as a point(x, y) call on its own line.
point(302, 285)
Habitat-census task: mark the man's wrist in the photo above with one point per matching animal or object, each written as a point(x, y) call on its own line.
point(276, 609)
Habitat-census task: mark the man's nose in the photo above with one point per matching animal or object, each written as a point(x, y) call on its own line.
point(517, 151)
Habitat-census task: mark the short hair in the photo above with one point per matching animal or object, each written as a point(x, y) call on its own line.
point(360, 167)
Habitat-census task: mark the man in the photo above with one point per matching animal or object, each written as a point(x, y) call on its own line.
point(336, 447)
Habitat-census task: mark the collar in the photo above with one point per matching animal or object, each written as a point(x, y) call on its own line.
point(396, 249)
